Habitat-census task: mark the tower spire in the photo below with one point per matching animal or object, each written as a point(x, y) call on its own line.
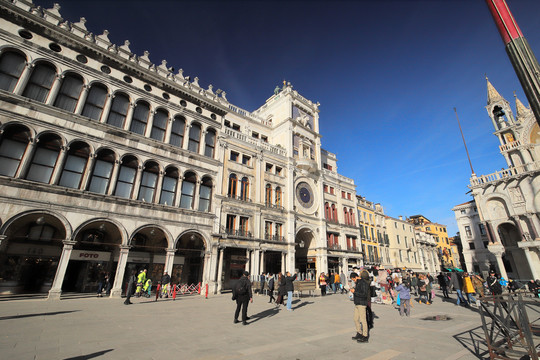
point(520, 53)
point(492, 94)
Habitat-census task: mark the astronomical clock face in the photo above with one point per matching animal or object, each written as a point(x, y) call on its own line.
point(304, 194)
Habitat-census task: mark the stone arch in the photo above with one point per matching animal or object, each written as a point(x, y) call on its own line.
point(190, 247)
point(33, 215)
point(121, 229)
point(305, 253)
point(497, 208)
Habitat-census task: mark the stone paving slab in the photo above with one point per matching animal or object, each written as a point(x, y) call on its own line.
point(197, 328)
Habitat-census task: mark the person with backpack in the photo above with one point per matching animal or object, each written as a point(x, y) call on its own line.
point(271, 287)
point(361, 295)
point(243, 295)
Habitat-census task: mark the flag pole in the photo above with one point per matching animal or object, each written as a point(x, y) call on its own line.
point(464, 143)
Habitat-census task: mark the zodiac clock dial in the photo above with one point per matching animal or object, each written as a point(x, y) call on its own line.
point(304, 194)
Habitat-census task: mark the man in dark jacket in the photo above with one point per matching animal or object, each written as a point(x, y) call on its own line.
point(289, 287)
point(457, 283)
point(361, 295)
point(131, 287)
point(243, 295)
point(493, 284)
point(165, 281)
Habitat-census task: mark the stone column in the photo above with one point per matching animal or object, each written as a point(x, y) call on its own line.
point(186, 136)
point(262, 264)
point(532, 263)
point(256, 262)
point(57, 172)
point(169, 260)
point(56, 288)
point(85, 182)
point(114, 177)
point(106, 108)
point(247, 267)
point(202, 143)
point(220, 270)
point(137, 183)
point(168, 132)
point(82, 99)
point(282, 262)
point(26, 159)
point(159, 186)
point(518, 223)
point(534, 224)
point(55, 88)
point(196, 195)
point(129, 116)
point(149, 124)
point(116, 291)
point(23, 79)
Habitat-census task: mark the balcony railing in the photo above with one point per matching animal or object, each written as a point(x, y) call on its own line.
point(332, 221)
point(239, 233)
point(237, 197)
point(274, 238)
point(504, 174)
point(274, 206)
point(334, 247)
point(353, 248)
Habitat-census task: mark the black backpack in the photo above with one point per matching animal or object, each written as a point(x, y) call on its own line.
point(242, 287)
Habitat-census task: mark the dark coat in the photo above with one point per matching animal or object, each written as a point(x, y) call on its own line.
point(289, 282)
point(361, 292)
point(131, 284)
point(281, 287)
point(247, 295)
point(271, 284)
point(456, 280)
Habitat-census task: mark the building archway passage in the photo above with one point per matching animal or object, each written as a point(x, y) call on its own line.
point(34, 246)
point(510, 236)
point(305, 256)
point(190, 249)
point(94, 256)
point(272, 262)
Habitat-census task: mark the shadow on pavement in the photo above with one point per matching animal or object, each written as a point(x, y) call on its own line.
point(10, 297)
point(302, 305)
point(264, 314)
point(90, 356)
point(38, 314)
point(474, 341)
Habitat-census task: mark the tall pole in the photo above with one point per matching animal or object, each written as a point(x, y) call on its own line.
point(464, 143)
point(520, 53)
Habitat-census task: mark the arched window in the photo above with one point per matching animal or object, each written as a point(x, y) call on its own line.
point(334, 213)
point(101, 174)
point(11, 67)
point(268, 195)
point(148, 182)
point(244, 190)
point(119, 109)
point(327, 214)
point(13, 143)
point(188, 190)
point(205, 194)
point(159, 125)
point(210, 143)
point(69, 92)
point(168, 188)
point(40, 82)
point(140, 118)
point(177, 131)
point(351, 217)
point(44, 158)
point(278, 196)
point(346, 216)
point(232, 185)
point(95, 102)
point(194, 137)
point(74, 165)
point(126, 177)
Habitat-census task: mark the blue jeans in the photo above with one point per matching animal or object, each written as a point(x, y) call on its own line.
point(471, 298)
point(460, 297)
point(289, 300)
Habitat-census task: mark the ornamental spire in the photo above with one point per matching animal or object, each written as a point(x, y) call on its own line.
point(492, 94)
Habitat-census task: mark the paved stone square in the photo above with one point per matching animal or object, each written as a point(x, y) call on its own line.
point(197, 328)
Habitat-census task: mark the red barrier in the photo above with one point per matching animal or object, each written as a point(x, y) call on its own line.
point(206, 291)
point(157, 291)
point(174, 293)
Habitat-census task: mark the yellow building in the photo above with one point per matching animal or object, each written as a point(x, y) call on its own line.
point(372, 233)
point(444, 247)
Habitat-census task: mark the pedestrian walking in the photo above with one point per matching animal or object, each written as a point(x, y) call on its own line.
point(337, 282)
point(131, 287)
point(322, 283)
point(330, 282)
point(243, 295)
point(404, 299)
point(101, 284)
point(468, 288)
point(343, 280)
point(289, 287)
point(165, 282)
point(271, 287)
point(493, 283)
point(443, 284)
point(422, 288)
point(281, 289)
point(141, 280)
point(361, 294)
point(262, 280)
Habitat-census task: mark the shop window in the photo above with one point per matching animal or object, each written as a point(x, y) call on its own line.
point(188, 190)
point(177, 131)
point(205, 194)
point(101, 174)
point(40, 82)
point(140, 118)
point(210, 143)
point(74, 166)
point(159, 125)
point(11, 67)
point(126, 177)
point(168, 187)
point(44, 158)
point(69, 92)
point(148, 182)
point(119, 109)
point(232, 185)
point(13, 144)
point(244, 190)
point(194, 137)
point(95, 102)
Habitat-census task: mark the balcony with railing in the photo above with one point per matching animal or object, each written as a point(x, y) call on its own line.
point(353, 248)
point(239, 197)
point(238, 233)
point(505, 174)
point(274, 206)
point(334, 247)
point(257, 142)
point(270, 237)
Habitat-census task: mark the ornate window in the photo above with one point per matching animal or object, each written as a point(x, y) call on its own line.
point(44, 158)
point(13, 144)
point(119, 109)
point(101, 174)
point(95, 102)
point(194, 137)
point(126, 177)
point(244, 190)
point(232, 185)
point(327, 213)
point(11, 67)
point(74, 166)
point(140, 118)
point(278, 196)
point(334, 213)
point(69, 93)
point(188, 190)
point(205, 194)
point(40, 82)
point(268, 195)
point(210, 143)
point(168, 188)
point(177, 131)
point(159, 125)
point(148, 182)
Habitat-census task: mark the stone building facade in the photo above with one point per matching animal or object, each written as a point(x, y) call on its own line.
point(110, 163)
point(403, 245)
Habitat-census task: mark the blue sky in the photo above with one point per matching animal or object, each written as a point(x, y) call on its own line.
point(387, 74)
